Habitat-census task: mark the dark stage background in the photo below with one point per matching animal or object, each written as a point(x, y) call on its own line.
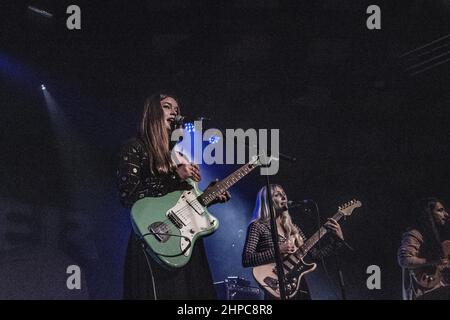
point(348, 105)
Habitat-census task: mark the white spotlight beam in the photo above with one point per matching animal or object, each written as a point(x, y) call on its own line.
point(40, 12)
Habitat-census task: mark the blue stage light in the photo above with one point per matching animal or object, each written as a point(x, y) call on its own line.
point(189, 127)
point(214, 139)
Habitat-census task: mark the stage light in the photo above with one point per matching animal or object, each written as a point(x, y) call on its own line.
point(189, 127)
point(43, 87)
point(41, 12)
point(214, 139)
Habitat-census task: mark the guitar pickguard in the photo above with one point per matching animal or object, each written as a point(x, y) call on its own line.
point(190, 218)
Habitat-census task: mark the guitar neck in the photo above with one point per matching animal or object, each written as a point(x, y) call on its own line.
point(318, 235)
point(220, 187)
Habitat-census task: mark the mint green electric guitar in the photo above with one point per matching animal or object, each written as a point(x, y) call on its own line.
point(171, 224)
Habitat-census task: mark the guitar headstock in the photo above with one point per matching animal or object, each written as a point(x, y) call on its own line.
point(347, 208)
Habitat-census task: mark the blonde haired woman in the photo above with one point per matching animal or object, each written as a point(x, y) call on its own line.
point(259, 248)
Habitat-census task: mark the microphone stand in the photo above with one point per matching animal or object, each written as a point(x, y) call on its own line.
point(275, 238)
point(273, 225)
point(341, 277)
point(336, 256)
point(339, 269)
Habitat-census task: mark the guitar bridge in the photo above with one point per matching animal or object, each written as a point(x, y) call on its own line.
point(160, 231)
point(274, 285)
point(271, 282)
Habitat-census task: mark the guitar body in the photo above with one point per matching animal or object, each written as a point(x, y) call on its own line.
point(293, 264)
point(267, 278)
point(430, 277)
point(171, 224)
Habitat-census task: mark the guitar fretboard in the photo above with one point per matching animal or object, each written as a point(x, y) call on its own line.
point(319, 234)
point(315, 238)
point(220, 187)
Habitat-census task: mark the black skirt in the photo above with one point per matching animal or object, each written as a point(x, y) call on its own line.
point(191, 282)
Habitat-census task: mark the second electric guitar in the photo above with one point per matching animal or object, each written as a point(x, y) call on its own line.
point(433, 275)
point(294, 266)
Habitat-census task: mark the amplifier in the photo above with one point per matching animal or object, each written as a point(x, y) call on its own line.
point(236, 288)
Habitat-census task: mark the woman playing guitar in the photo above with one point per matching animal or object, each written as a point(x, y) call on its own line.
point(146, 169)
point(422, 255)
point(259, 248)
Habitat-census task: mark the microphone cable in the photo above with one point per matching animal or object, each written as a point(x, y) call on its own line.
point(322, 260)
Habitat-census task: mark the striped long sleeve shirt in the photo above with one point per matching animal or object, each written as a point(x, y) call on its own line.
point(259, 248)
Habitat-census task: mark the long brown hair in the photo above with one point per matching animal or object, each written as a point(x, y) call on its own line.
point(261, 212)
point(424, 222)
point(154, 134)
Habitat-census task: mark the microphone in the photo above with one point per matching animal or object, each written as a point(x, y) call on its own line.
point(179, 119)
point(300, 203)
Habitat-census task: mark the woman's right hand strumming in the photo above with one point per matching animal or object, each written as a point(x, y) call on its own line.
point(287, 247)
point(186, 171)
